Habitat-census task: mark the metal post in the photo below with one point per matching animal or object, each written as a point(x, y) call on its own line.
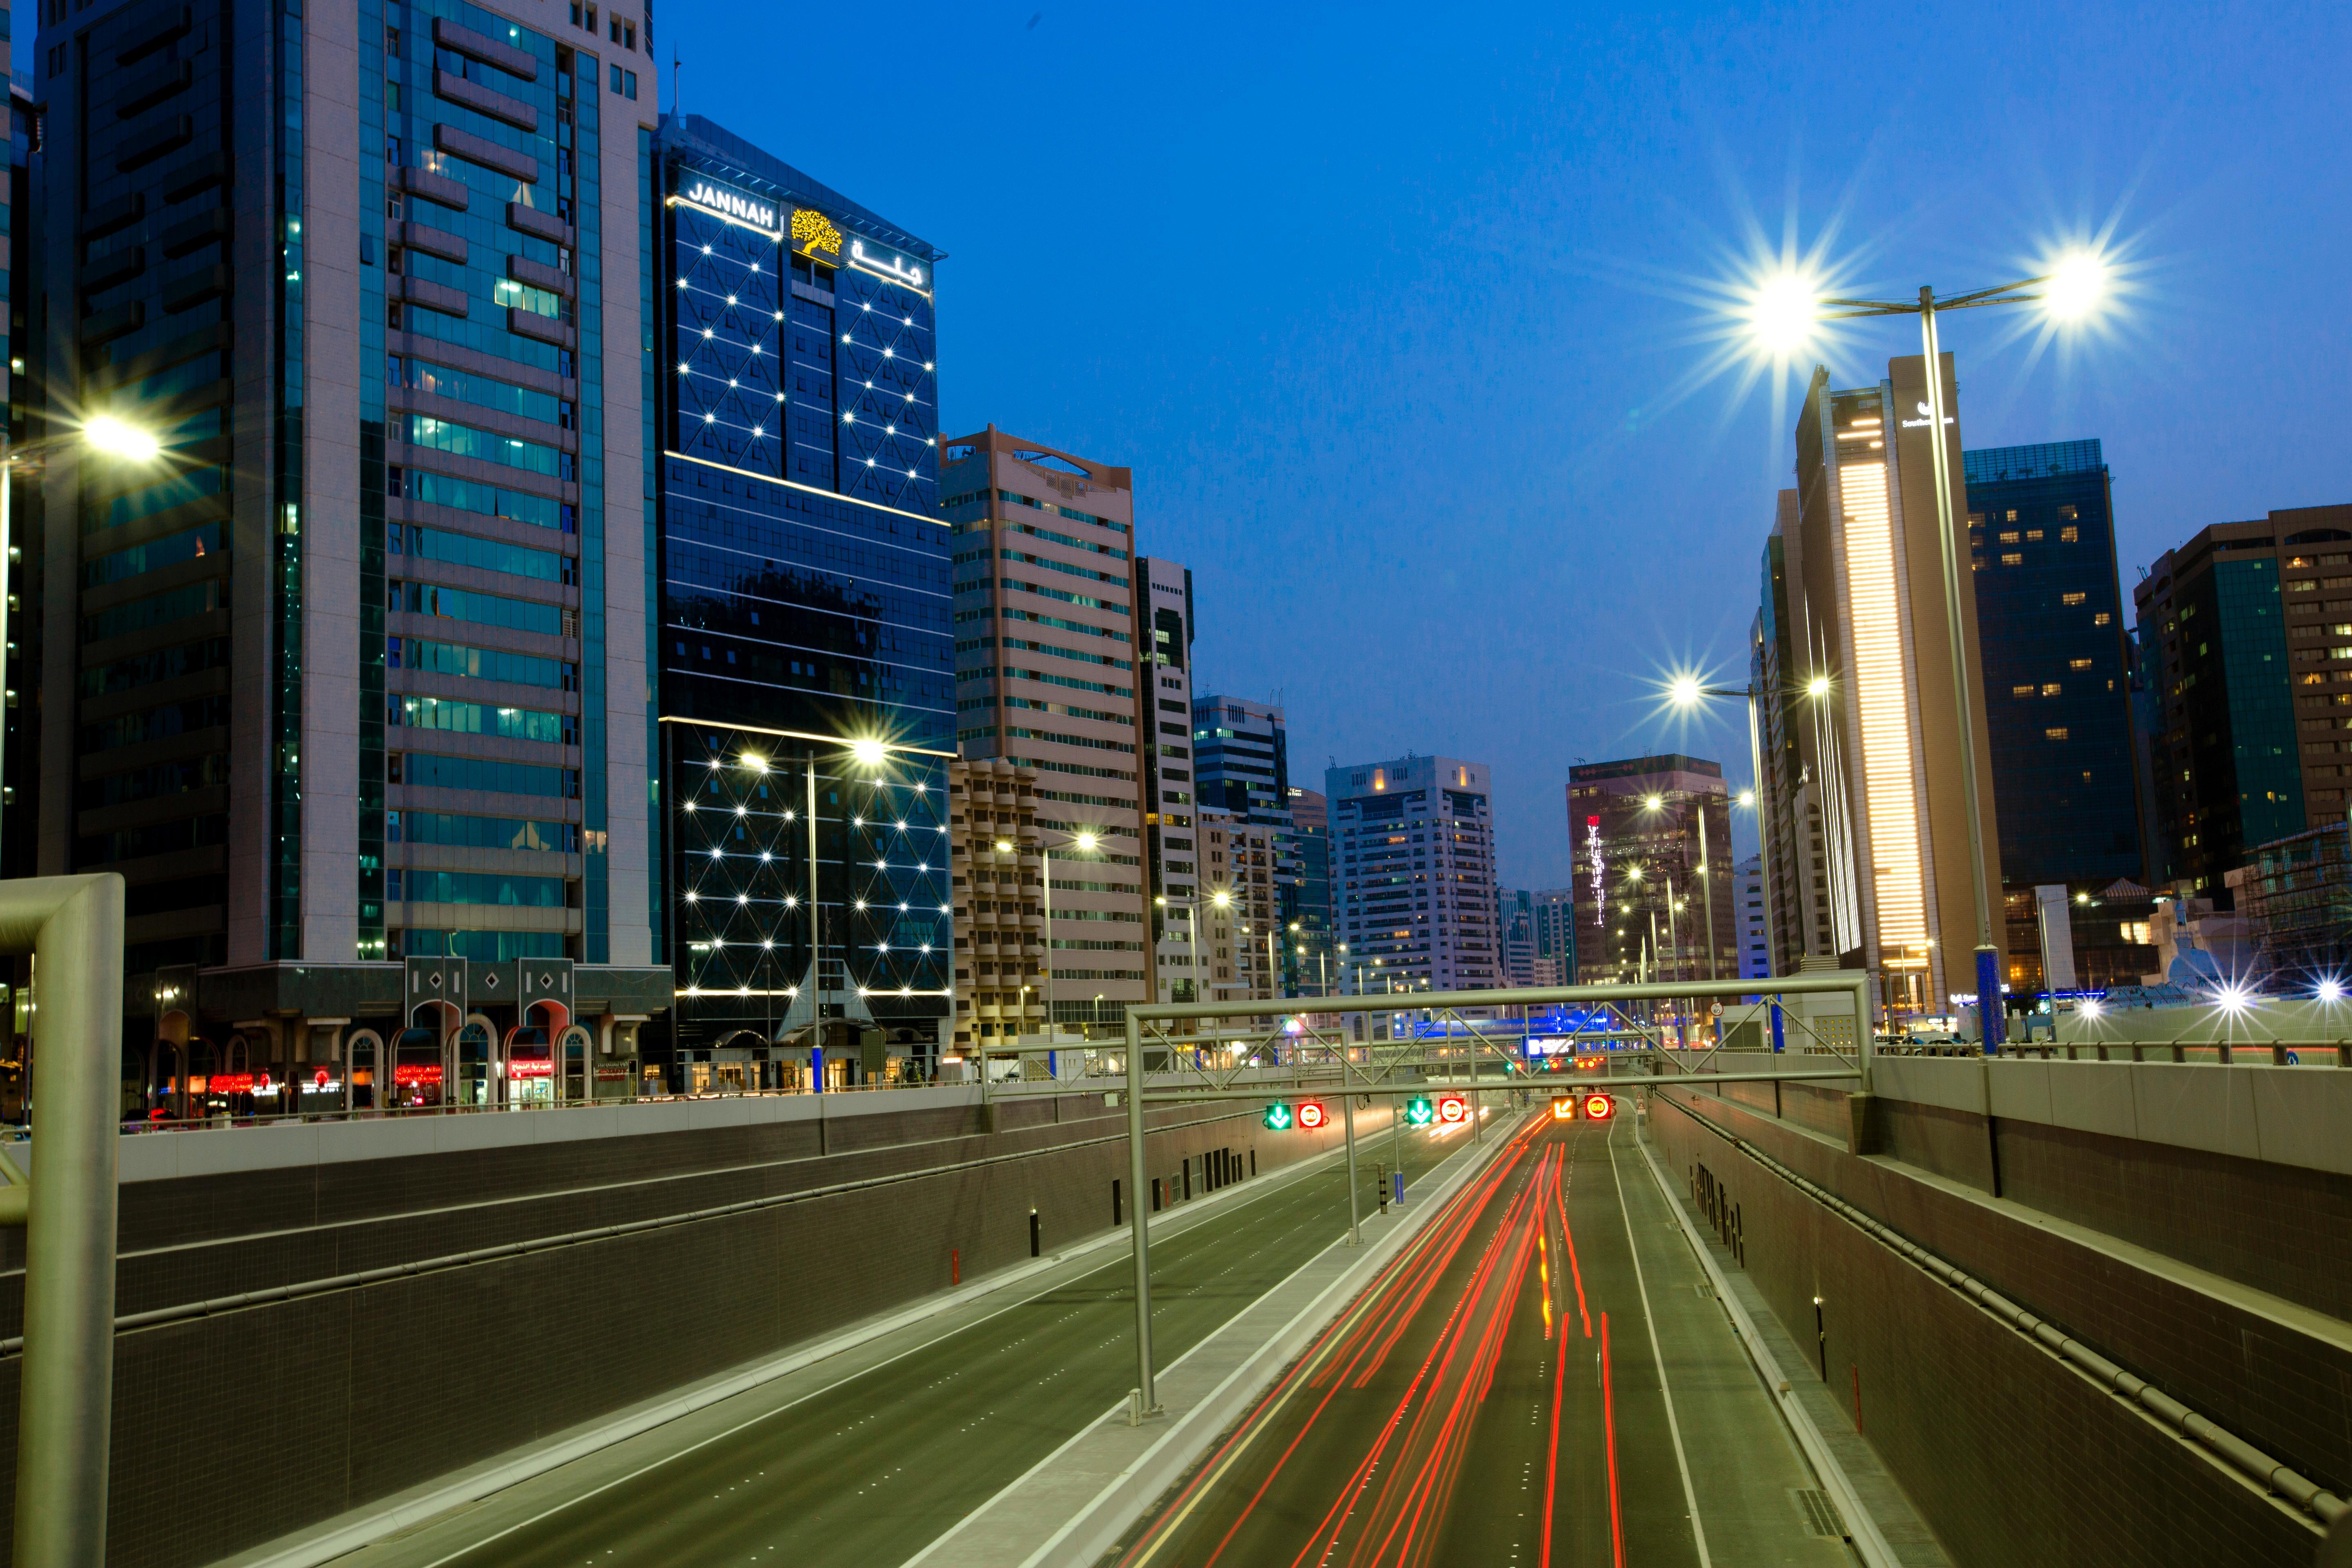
point(1137, 1227)
point(816, 946)
point(1989, 998)
point(1865, 1053)
point(1706, 881)
point(1348, 1118)
point(73, 927)
point(1045, 863)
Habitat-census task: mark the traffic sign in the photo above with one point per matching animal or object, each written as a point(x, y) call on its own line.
point(1278, 1118)
point(1599, 1107)
point(1452, 1109)
point(1311, 1116)
point(1418, 1112)
point(1563, 1107)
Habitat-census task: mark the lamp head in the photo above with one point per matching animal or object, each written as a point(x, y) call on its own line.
point(2077, 286)
point(1782, 312)
point(867, 752)
point(120, 438)
point(1818, 688)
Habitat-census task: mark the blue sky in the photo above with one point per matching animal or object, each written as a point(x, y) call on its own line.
point(1405, 317)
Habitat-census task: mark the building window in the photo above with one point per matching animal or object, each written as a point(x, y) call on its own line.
point(2009, 537)
point(2049, 689)
point(2101, 619)
point(2070, 535)
point(2012, 558)
point(2056, 732)
point(2025, 690)
point(2032, 536)
point(2076, 599)
point(2067, 513)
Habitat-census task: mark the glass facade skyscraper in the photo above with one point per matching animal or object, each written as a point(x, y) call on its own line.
point(2246, 643)
point(351, 675)
point(2057, 668)
point(805, 662)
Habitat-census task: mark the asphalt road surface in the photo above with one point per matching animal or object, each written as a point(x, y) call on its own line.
point(871, 1470)
point(1495, 1397)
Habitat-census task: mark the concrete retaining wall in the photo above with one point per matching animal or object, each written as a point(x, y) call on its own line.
point(237, 1428)
point(2010, 1456)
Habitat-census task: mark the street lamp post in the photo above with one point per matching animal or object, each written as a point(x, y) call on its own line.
point(1085, 842)
point(2070, 290)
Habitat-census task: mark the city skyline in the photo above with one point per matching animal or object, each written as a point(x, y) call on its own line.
point(1575, 228)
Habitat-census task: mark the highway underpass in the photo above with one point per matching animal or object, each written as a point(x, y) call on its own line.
point(1496, 1397)
point(865, 1458)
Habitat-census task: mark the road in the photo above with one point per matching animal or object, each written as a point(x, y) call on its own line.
point(1496, 1397)
point(869, 1468)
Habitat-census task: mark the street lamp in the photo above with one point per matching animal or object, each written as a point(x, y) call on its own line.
point(1082, 841)
point(2073, 287)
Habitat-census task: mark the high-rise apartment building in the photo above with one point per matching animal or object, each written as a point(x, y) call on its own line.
point(1861, 728)
point(999, 894)
point(1553, 913)
point(2058, 696)
point(1314, 964)
point(1050, 654)
point(1515, 935)
point(1243, 750)
point(357, 666)
point(1653, 840)
point(1755, 953)
point(1413, 886)
point(1241, 940)
point(2246, 637)
point(1164, 716)
point(805, 645)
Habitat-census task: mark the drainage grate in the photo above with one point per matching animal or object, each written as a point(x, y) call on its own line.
point(1821, 1514)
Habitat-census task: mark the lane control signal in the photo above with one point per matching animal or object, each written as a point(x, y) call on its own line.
point(1563, 1107)
point(1418, 1112)
point(1278, 1118)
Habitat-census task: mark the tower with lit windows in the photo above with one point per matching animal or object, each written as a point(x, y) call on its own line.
point(1857, 607)
point(807, 667)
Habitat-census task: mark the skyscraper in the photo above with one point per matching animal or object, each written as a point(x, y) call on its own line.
point(1755, 953)
point(1554, 913)
point(1243, 751)
point(1050, 653)
point(383, 695)
point(1164, 718)
point(804, 649)
point(1860, 636)
point(1414, 884)
point(2058, 694)
point(2246, 635)
point(1307, 907)
point(1654, 837)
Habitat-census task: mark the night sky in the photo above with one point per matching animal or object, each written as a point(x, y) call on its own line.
point(1413, 321)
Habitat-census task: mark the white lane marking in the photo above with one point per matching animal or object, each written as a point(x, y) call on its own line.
point(1649, 1321)
point(575, 1499)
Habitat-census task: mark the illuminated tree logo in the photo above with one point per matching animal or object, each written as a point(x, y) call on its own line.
point(812, 232)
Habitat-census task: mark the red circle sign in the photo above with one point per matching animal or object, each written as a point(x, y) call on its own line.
point(1310, 1115)
point(1599, 1107)
point(1452, 1109)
